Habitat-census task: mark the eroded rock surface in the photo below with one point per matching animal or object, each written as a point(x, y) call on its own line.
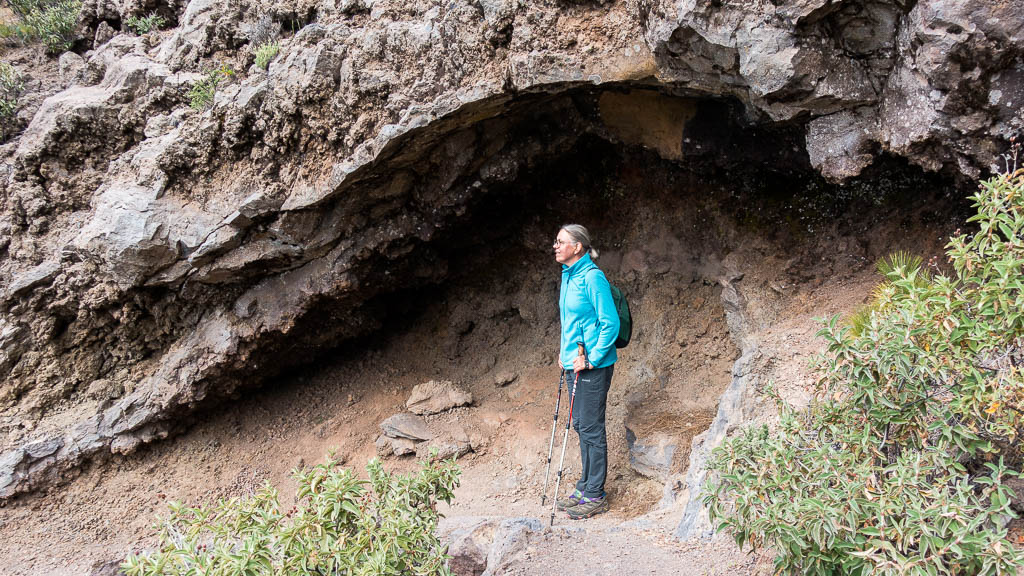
point(734, 408)
point(652, 456)
point(153, 257)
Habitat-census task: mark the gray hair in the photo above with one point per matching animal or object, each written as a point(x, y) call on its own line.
point(580, 234)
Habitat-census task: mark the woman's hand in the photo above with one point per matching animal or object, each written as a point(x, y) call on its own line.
point(579, 364)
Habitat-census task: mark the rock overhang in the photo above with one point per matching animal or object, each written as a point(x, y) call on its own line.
point(262, 248)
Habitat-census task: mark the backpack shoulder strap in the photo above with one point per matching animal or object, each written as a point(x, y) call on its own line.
point(586, 277)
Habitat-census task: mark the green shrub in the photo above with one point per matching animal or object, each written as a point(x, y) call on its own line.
point(14, 31)
point(265, 53)
point(146, 24)
point(200, 95)
point(51, 22)
point(22, 8)
point(337, 526)
point(11, 86)
point(898, 465)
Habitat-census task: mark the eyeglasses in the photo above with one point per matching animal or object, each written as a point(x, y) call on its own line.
point(559, 242)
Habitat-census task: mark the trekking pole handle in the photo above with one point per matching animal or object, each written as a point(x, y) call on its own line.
point(581, 352)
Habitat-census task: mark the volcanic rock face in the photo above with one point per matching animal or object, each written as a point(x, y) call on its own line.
point(154, 256)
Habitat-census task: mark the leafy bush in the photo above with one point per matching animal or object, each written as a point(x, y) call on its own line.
point(52, 22)
point(898, 465)
point(146, 24)
point(336, 527)
point(200, 95)
point(11, 86)
point(265, 53)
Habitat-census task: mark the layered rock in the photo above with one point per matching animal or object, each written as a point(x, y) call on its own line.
point(154, 256)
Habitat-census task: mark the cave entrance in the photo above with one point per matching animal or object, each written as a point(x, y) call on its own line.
point(718, 230)
point(433, 262)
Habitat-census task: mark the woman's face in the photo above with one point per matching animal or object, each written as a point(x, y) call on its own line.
point(567, 250)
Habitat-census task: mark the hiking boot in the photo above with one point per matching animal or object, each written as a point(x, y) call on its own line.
point(572, 500)
point(588, 507)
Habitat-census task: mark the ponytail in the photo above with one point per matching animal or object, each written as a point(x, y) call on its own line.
point(580, 234)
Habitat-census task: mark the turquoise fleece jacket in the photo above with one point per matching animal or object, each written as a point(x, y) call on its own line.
point(588, 314)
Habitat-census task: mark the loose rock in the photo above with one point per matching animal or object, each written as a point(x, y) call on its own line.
point(505, 378)
point(405, 425)
point(437, 396)
point(404, 446)
point(487, 547)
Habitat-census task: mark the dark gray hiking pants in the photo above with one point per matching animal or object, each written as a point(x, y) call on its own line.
point(588, 422)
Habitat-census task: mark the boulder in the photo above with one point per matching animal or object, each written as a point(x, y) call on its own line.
point(839, 145)
point(488, 546)
point(441, 450)
point(405, 425)
point(469, 548)
point(404, 446)
point(437, 396)
point(652, 455)
point(505, 378)
point(383, 445)
point(104, 32)
point(452, 443)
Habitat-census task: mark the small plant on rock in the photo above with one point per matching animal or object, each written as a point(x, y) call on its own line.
point(895, 265)
point(339, 525)
point(11, 86)
point(265, 53)
point(900, 464)
point(200, 95)
point(146, 24)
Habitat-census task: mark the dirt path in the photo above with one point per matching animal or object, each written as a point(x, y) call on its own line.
point(607, 546)
point(109, 509)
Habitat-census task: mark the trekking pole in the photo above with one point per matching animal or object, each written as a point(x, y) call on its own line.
point(551, 443)
point(565, 437)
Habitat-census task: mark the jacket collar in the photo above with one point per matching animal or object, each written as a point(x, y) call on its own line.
point(581, 265)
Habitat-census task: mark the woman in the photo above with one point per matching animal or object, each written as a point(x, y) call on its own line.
point(588, 315)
